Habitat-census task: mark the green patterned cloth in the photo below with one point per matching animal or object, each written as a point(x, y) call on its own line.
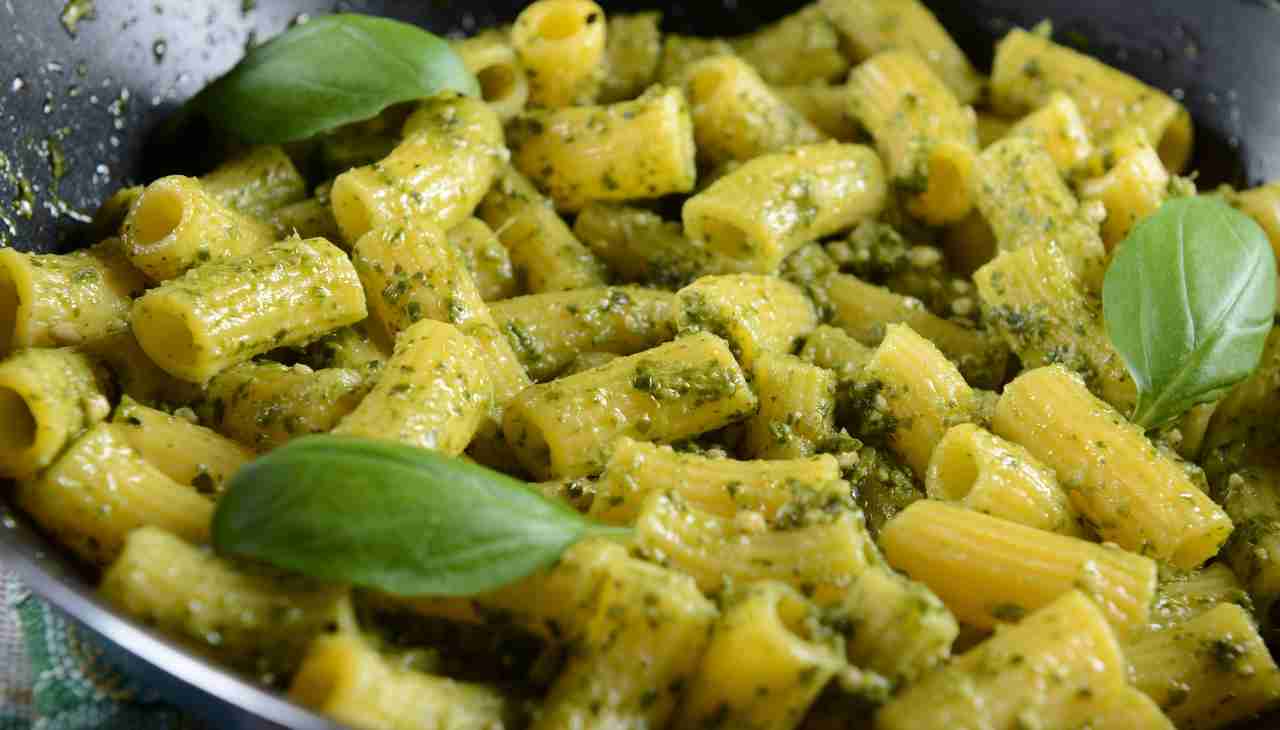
point(52, 676)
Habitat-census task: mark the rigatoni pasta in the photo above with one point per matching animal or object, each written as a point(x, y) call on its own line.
point(562, 45)
point(47, 398)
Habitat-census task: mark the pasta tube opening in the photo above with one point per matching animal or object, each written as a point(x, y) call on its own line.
point(157, 214)
point(954, 468)
point(17, 422)
point(497, 82)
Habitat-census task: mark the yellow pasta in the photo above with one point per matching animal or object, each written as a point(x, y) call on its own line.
point(736, 116)
point(1183, 596)
point(1250, 497)
point(257, 621)
point(136, 375)
point(716, 485)
point(263, 405)
point(681, 52)
point(1210, 672)
point(797, 408)
point(47, 398)
point(561, 44)
point(765, 663)
point(871, 26)
point(625, 151)
point(767, 208)
point(1131, 190)
point(923, 392)
point(346, 679)
point(1060, 129)
point(434, 392)
point(100, 489)
point(547, 331)
point(176, 225)
point(448, 157)
point(983, 472)
point(640, 247)
point(633, 50)
point(544, 251)
point(1054, 666)
point(180, 449)
point(504, 86)
point(826, 106)
point(257, 182)
point(989, 570)
point(1029, 68)
point(831, 348)
point(756, 314)
point(797, 49)
point(928, 141)
point(1130, 493)
point(568, 427)
point(226, 312)
point(310, 218)
point(487, 259)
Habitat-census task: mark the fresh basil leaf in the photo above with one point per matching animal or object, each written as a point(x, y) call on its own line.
point(327, 72)
point(396, 518)
point(1188, 301)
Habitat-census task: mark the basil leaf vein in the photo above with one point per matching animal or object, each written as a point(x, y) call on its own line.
point(327, 72)
point(1188, 301)
point(391, 517)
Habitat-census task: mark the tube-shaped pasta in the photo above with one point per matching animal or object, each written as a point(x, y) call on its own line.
point(718, 486)
point(928, 140)
point(176, 224)
point(504, 86)
point(797, 408)
point(736, 116)
point(989, 570)
point(864, 311)
point(100, 489)
point(893, 625)
point(1131, 494)
point(1209, 672)
point(983, 472)
point(310, 218)
point(640, 247)
point(434, 392)
point(109, 216)
point(755, 216)
point(487, 259)
point(357, 347)
point(181, 450)
point(1115, 707)
point(47, 300)
point(641, 645)
point(1131, 190)
point(1062, 655)
point(923, 391)
point(342, 676)
point(258, 182)
point(826, 106)
point(797, 49)
point(226, 312)
point(1039, 307)
point(568, 427)
point(1183, 596)
point(47, 398)
point(547, 331)
point(414, 273)
point(544, 252)
point(1060, 129)
point(755, 313)
point(822, 557)
point(1025, 201)
point(136, 375)
point(624, 151)
point(1242, 430)
point(868, 27)
point(587, 361)
point(832, 348)
point(254, 620)
point(1252, 500)
point(1029, 68)
point(451, 150)
point(633, 50)
point(561, 44)
point(766, 662)
point(1262, 204)
point(263, 405)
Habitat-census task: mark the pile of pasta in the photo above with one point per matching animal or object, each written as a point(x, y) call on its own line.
point(825, 336)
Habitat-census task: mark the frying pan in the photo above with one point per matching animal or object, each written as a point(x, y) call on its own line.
point(82, 98)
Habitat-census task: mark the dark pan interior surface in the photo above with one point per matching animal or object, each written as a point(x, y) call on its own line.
point(79, 99)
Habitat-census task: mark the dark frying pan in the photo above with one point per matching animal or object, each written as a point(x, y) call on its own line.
point(81, 99)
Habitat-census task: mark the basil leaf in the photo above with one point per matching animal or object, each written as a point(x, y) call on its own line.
point(1188, 301)
point(328, 72)
point(396, 518)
